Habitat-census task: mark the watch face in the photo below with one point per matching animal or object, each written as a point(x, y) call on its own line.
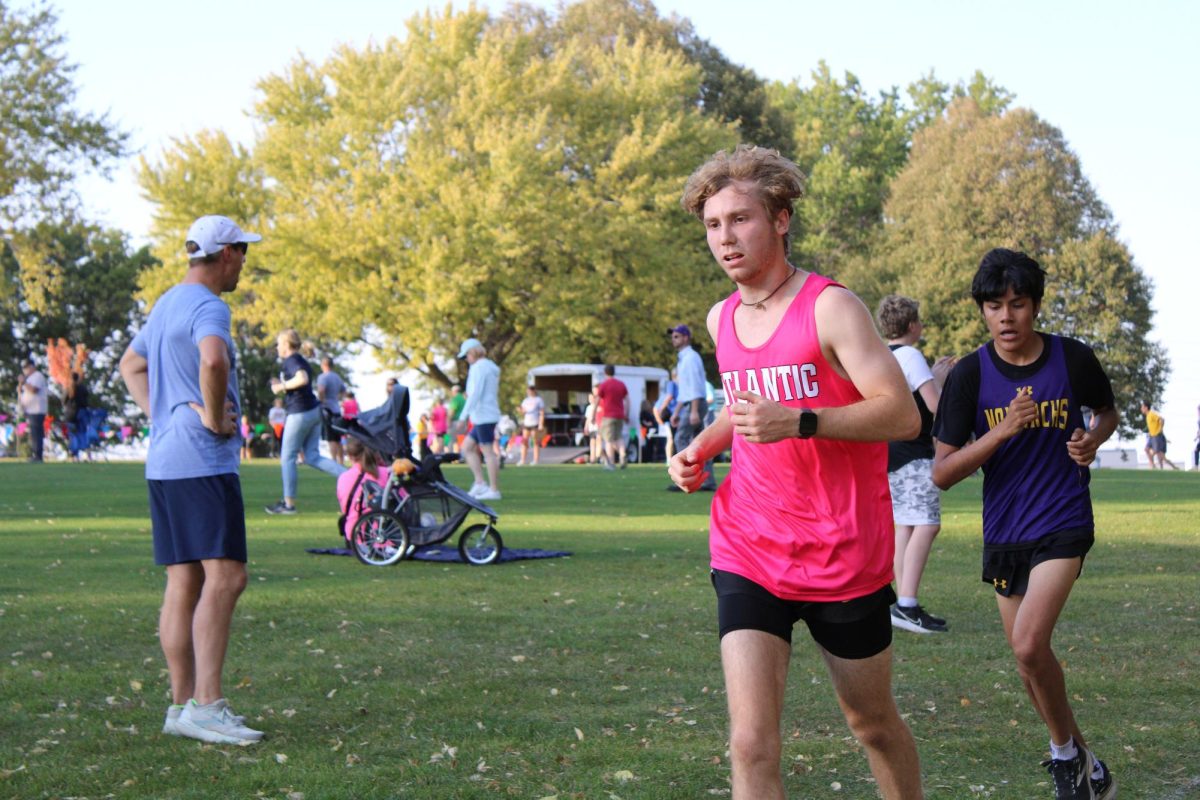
point(808, 424)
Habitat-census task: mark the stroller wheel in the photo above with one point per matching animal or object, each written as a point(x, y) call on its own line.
point(379, 539)
point(480, 544)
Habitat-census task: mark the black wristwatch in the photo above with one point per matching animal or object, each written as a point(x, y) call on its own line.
point(808, 424)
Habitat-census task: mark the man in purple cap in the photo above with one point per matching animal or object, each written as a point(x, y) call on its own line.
point(691, 406)
point(180, 370)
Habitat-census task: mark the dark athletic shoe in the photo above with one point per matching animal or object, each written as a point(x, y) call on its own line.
point(280, 508)
point(1106, 787)
point(1072, 778)
point(915, 619)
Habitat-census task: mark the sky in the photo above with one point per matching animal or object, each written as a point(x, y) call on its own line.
point(1118, 79)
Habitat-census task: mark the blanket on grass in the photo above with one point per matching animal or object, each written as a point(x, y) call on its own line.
point(445, 553)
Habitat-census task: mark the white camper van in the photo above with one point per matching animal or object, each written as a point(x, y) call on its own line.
point(565, 388)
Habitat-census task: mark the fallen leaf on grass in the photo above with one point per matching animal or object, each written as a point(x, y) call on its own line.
point(623, 775)
point(281, 758)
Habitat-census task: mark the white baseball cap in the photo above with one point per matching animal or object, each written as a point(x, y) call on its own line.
point(467, 346)
point(213, 232)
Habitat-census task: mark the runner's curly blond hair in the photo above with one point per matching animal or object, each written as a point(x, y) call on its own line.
point(777, 182)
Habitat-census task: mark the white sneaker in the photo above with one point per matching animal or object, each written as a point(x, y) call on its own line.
point(488, 493)
point(215, 723)
point(170, 724)
point(476, 488)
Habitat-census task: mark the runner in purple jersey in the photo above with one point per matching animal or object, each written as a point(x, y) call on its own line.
point(1020, 396)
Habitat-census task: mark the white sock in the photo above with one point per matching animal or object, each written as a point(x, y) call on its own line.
point(1063, 752)
point(1097, 772)
point(907, 602)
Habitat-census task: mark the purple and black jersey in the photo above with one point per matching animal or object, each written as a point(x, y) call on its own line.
point(1031, 487)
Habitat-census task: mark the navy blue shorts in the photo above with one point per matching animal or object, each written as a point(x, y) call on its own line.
point(858, 628)
point(484, 434)
point(198, 518)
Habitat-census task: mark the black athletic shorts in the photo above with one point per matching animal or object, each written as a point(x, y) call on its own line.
point(858, 628)
point(328, 434)
point(1007, 567)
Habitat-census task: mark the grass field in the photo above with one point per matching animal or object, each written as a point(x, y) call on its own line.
point(595, 676)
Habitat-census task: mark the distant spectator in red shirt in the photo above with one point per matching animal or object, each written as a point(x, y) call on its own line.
point(613, 398)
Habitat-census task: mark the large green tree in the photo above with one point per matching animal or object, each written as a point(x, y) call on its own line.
point(92, 303)
point(978, 180)
point(45, 141)
point(727, 91)
point(483, 176)
point(851, 144)
point(47, 262)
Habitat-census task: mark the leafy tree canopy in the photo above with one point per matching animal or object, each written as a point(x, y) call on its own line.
point(482, 177)
point(851, 145)
point(94, 271)
point(975, 181)
point(45, 142)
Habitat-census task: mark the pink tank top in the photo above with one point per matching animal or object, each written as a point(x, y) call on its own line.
point(807, 519)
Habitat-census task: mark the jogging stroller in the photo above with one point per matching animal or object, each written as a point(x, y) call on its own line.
point(417, 507)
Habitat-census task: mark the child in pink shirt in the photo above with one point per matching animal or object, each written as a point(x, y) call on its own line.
point(362, 460)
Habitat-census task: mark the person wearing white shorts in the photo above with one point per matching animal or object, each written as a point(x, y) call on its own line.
point(916, 502)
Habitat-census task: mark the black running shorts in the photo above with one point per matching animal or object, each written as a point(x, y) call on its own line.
point(1007, 567)
point(858, 628)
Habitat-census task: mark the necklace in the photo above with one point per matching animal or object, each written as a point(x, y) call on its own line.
point(759, 304)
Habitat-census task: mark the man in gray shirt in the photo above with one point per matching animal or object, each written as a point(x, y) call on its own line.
point(329, 389)
point(691, 407)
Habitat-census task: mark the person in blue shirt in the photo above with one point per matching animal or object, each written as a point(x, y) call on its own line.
point(180, 370)
point(482, 410)
point(691, 407)
point(664, 410)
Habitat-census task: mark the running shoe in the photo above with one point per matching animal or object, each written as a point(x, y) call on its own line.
point(280, 508)
point(215, 723)
point(917, 620)
point(170, 723)
point(1072, 777)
